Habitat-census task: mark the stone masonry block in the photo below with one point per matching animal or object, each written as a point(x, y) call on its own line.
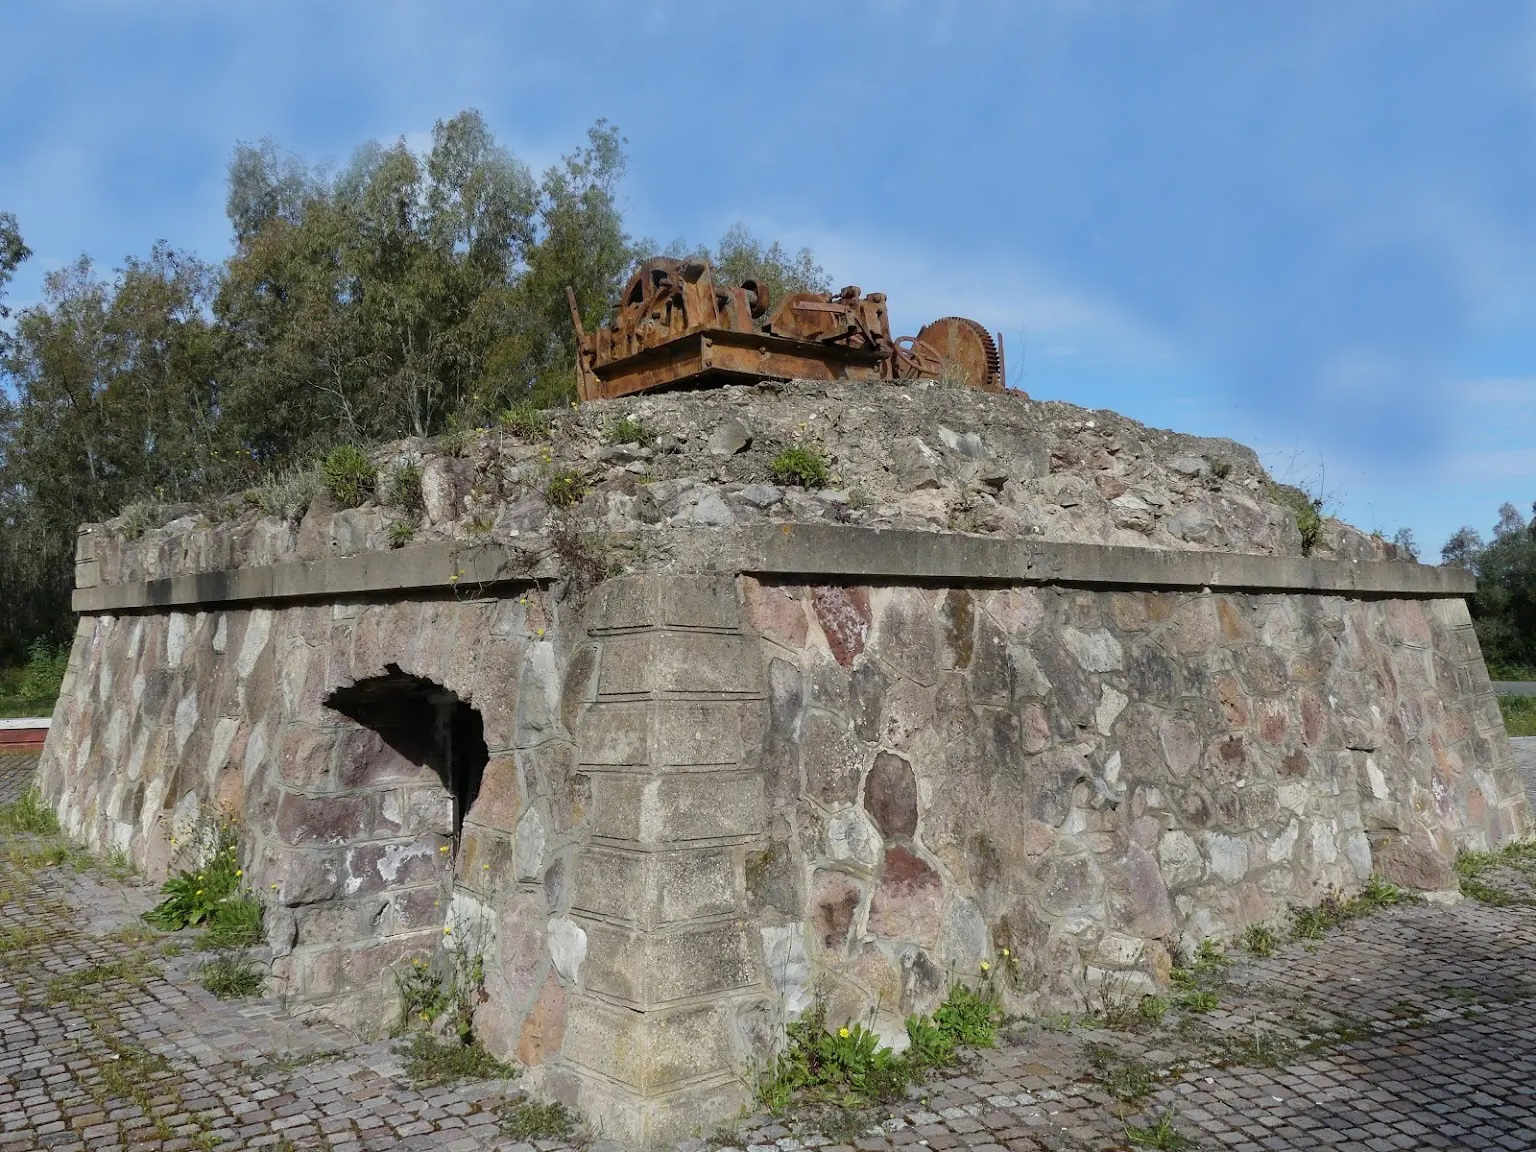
point(695, 732)
point(677, 809)
point(617, 734)
point(654, 888)
point(625, 603)
point(699, 602)
point(647, 969)
point(684, 662)
point(664, 1117)
point(648, 1051)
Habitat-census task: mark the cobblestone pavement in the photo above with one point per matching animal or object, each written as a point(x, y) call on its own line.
point(1412, 1029)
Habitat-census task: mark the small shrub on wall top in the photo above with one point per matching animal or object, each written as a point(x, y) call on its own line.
point(347, 475)
point(802, 466)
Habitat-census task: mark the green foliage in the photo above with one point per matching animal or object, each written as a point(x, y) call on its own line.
point(138, 517)
point(29, 813)
point(1307, 509)
point(1160, 1135)
point(1473, 871)
point(401, 533)
point(1504, 605)
point(1153, 1008)
point(851, 1068)
point(740, 256)
point(31, 689)
point(628, 430)
point(528, 1121)
point(968, 1017)
point(1196, 981)
point(1122, 1075)
point(442, 999)
point(1335, 910)
point(1261, 939)
point(402, 490)
point(405, 294)
point(430, 1061)
point(231, 975)
point(235, 923)
point(565, 489)
point(286, 493)
point(525, 421)
point(1519, 714)
point(210, 890)
point(423, 997)
point(348, 475)
point(802, 466)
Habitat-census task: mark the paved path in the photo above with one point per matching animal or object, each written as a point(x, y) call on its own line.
point(1412, 1029)
point(1525, 759)
point(1515, 687)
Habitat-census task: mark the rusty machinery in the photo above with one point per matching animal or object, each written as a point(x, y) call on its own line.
point(674, 325)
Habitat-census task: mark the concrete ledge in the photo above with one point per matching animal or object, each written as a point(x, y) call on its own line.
point(831, 551)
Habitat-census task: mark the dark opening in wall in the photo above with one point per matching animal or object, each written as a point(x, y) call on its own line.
point(425, 723)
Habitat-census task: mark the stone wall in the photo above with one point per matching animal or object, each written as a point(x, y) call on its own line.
point(173, 718)
point(711, 797)
point(1093, 780)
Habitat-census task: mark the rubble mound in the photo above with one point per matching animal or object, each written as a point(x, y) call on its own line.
point(911, 455)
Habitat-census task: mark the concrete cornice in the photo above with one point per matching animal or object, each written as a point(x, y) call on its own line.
point(827, 551)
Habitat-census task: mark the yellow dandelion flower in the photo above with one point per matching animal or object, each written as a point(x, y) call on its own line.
point(239, 871)
point(1006, 953)
point(843, 1032)
point(447, 931)
point(444, 848)
point(274, 887)
point(199, 891)
point(985, 967)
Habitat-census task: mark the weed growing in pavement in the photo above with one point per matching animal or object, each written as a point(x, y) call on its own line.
point(1160, 1135)
point(1195, 981)
point(1122, 1076)
point(852, 1068)
point(1335, 910)
point(430, 1061)
point(1153, 1008)
point(802, 466)
point(528, 1120)
point(437, 1012)
point(78, 989)
point(1261, 940)
point(29, 813)
point(1473, 869)
point(210, 891)
point(231, 975)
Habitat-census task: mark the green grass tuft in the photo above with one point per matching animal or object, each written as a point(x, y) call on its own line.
point(430, 1061)
point(230, 976)
point(802, 466)
point(1519, 714)
point(29, 813)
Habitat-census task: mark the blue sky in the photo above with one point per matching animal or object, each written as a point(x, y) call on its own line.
point(1309, 226)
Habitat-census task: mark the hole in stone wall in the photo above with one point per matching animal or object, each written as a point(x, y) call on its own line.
point(425, 723)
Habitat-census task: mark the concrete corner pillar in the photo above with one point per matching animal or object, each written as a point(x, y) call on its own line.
point(666, 738)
